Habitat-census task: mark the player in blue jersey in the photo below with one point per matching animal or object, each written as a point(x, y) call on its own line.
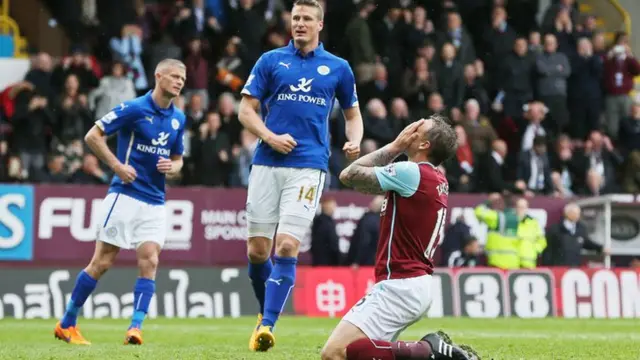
point(294, 87)
point(150, 134)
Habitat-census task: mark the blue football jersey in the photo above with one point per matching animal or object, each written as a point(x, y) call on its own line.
point(146, 132)
point(297, 94)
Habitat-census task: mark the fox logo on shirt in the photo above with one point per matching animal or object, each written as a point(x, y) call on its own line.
point(162, 139)
point(304, 85)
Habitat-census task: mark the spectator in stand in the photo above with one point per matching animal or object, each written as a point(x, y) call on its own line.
point(492, 178)
point(553, 69)
point(376, 123)
point(379, 87)
point(516, 79)
point(361, 53)
point(249, 24)
point(467, 255)
point(418, 83)
point(568, 172)
point(400, 116)
point(40, 75)
point(196, 22)
point(478, 128)
point(54, 174)
point(211, 153)
point(567, 239)
point(588, 28)
point(630, 145)
point(599, 46)
point(362, 249)
point(421, 31)
point(325, 243)
point(197, 72)
point(535, 43)
point(79, 63)
point(460, 169)
point(535, 115)
point(585, 91)
point(230, 124)
point(602, 159)
point(498, 42)
point(458, 36)
point(564, 33)
point(534, 172)
point(73, 117)
point(454, 239)
point(552, 11)
point(90, 173)
point(389, 39)
point(114, 89)
point(128, 49)
point(450, 78)
point(32, 123)
point(620, 67)
point(474, 88)
point(232, 67)
point(195, 112)
point(243, 156)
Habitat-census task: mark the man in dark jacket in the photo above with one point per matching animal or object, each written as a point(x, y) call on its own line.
point(567, 239)
point(516, 79)
point(585, 93)
point(325, 243)
point(364, 242)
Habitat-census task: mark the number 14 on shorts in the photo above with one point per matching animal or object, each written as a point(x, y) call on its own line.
point(307, 193)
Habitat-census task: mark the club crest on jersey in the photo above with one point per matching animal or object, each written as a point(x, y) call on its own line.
point(443, 188)
point(175, 124)
point(390, 169)
point(323, 70)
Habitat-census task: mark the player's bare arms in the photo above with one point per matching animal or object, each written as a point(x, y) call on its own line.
point(361, 176)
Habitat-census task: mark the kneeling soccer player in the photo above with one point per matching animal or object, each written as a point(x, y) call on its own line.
point(411, 228)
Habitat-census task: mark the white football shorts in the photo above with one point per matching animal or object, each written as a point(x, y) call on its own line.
point(391, 306)
point(127, 222)
point(277, 193)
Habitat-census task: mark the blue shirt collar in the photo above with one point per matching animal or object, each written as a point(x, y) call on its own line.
point(314, 52)
point(156, 107)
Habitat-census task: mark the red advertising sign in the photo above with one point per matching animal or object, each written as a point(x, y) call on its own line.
point(486, 292)
point(205, 226)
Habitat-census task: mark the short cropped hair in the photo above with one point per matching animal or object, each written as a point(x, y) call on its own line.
point(443, 139)
point(313, 4)
point(166, 63)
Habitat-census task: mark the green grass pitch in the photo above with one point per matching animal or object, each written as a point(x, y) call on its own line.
point(299, 338)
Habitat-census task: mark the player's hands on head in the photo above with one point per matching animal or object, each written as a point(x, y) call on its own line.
point(407, 136)
point(283, 143)
point(126, 173)
point(164, 165)
point(351, 150)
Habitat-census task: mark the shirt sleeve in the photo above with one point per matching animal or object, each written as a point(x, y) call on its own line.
point(257, 81)
point(346, 93)
point(178, 145)
point(119, 117)
point(402, 177)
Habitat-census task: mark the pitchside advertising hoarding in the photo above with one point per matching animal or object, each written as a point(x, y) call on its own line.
point(40, 293)
point(204, 274)
point(204, 226)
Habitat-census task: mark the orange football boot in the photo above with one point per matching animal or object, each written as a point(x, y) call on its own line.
point(70, 335)
point(133, 337)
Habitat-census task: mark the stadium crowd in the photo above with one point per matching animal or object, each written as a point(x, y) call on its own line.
point(539, 107)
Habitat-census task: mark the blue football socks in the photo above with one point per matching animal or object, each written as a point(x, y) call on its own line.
point(278, 287)
point(142, 294)
point(84, 286)
point(259, 273)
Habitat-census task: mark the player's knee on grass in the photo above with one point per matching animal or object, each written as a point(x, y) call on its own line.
point(330, 352)
point(148, 255)
point(103, 257)
point(258, 249)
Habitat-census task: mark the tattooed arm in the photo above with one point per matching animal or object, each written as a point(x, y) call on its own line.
point(361, 175)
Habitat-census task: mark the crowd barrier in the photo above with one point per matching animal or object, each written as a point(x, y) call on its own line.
point(28, 293)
